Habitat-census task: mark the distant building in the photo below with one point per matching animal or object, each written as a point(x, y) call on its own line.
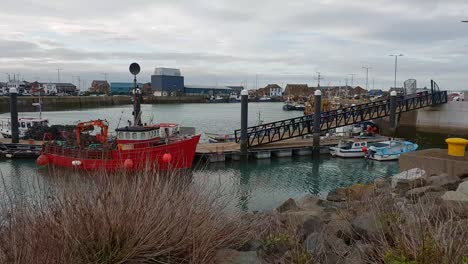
point(237, 89)
point(207, 90)
point(375, 92)
point(100, 87)
point(66, 88)
point(146, 90)
point(398, 90)
point(271, 90)
point(302, 90)
point(123, 88)
point(49, 88)
point(167, 81)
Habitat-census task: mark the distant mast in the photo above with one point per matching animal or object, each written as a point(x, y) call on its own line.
point(135, 69)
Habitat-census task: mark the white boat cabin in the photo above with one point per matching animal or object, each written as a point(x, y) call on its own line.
point(349, 144)
point(143, 133)
point(25, 123)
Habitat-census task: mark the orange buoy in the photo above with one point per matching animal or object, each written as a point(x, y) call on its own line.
point(128, 164)
point(167, 157)
point(42, 160)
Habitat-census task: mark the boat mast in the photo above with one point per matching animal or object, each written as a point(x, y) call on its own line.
point(135, 69)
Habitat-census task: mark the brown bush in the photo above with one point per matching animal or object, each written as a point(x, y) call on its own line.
point(119, 218)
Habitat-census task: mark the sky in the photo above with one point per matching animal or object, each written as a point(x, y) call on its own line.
point(222, 42)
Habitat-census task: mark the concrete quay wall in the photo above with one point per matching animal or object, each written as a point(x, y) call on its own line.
point(451, 117)
point(55, 103)
point(434, 161)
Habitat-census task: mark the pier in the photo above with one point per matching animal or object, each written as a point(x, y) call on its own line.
point(219, 152)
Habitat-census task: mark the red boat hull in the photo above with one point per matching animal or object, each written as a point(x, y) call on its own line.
point(178, 155)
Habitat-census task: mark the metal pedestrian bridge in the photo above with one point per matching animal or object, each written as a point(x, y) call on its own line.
point(300, 126)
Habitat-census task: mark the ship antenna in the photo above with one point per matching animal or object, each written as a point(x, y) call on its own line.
point(120, 119)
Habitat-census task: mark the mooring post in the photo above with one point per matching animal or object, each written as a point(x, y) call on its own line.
point(244, 119)
point(393, 96)
point(317, 117)
point(14, 115)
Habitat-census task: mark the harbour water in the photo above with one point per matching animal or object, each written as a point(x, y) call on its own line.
point(255, 185)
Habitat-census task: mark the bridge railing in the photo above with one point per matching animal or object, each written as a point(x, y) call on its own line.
point(299, 126)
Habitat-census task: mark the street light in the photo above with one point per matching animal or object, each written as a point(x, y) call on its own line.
point(396, 63)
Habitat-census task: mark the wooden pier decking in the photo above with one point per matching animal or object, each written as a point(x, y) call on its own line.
point(232, 147)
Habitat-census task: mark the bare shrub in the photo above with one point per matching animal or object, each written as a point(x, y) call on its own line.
point(119, 218)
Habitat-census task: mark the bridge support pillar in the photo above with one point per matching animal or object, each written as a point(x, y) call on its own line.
point(14, 115)
point(317, 117)
point(244, 118)
point(393, 96)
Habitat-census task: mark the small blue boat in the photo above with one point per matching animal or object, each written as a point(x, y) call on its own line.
point(390, 150)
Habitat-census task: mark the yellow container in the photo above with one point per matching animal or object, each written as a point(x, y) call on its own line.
point(456, 146)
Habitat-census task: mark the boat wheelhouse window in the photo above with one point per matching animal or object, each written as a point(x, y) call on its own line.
point(23, 124)
point(134, 135)
point(143, 135)
point(28, 124)
point(127, 135)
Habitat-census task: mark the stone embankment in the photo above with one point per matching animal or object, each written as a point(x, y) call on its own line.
point(411, 218)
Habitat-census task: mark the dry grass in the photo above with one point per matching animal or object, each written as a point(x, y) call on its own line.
point(123, 218)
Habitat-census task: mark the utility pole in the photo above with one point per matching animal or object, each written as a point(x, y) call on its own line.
point(373, 87)
point(7, 74)
point(367, 76)
point(58, 74)
point(352, 79)
point(105, 76)
point(79, 81)
point(318, 79)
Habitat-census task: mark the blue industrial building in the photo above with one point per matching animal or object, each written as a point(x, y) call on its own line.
point(122, 88)
point(166, 81)
point(207, 90)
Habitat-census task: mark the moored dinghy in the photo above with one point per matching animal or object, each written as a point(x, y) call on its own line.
point(390, 150)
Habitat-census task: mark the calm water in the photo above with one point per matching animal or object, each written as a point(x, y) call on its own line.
point(256, 185)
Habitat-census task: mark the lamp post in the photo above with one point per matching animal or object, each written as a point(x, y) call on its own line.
point(396, 64)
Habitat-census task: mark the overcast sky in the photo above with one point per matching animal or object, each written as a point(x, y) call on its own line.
point(229, 42)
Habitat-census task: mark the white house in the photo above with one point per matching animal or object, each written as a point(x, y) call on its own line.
point(49, 88)
point(271, 90)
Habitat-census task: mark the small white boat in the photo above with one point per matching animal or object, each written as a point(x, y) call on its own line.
point(349, 149)
point(390, 150)
point(25, 123)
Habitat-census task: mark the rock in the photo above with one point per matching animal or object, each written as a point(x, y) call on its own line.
point(340, 228)
point(230, 256)
point(354, 257)
point(353, 193)
point(365, 225)
point(311, 225)
point(381, 183)
point(337, 246)
point(298, 218)
point(363, 248)
point(309, 202)
point(251, 245)
point(313, 243)
point(289, 205)
point(444, 181)
point(408, 180)
point(460, 195)
point(420, 191)
point(338, 195)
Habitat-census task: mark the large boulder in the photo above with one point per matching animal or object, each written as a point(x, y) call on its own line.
point(444, 181)
point(365, 225)
point(460, 195)
point(354, 193)
point(408, 180)
point(420, 191)
point(313, 243)
point(289, 205)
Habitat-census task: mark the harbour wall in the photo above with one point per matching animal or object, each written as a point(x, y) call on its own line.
point(174, 99)
point(60, 103)
point(449, 118)
point(56, 103)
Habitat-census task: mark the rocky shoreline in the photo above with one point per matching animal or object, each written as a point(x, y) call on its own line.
point(410, 218)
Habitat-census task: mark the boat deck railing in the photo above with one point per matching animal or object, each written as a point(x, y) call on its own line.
point(76, 152)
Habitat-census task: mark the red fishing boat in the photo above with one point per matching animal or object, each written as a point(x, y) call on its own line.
point(135, 147)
